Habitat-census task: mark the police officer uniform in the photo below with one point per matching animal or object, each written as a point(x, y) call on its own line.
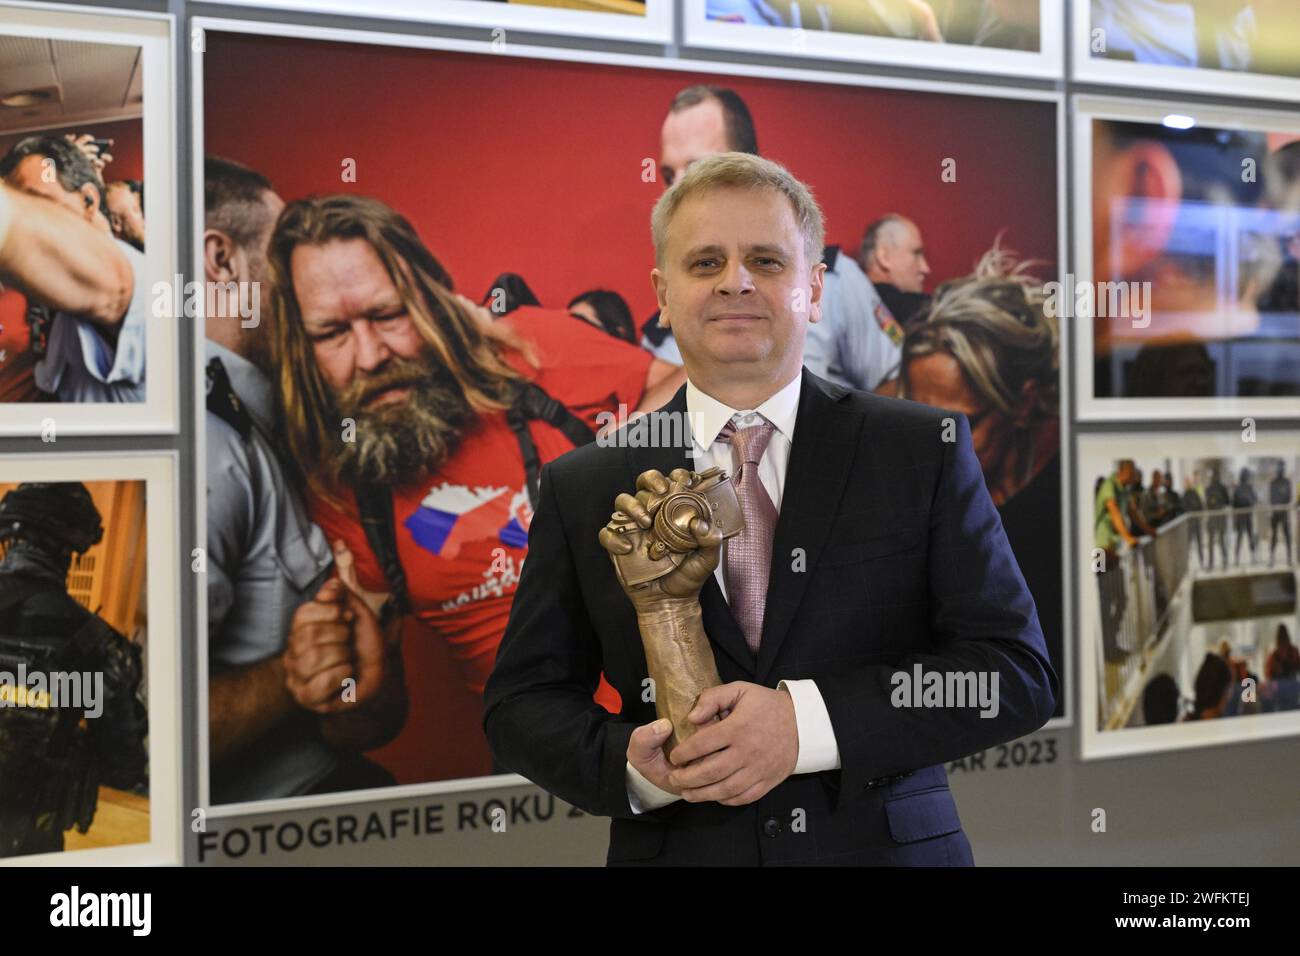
point(265, 558)
point(53, 757)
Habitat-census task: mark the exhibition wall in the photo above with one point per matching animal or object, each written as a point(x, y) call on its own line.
point(514, 146)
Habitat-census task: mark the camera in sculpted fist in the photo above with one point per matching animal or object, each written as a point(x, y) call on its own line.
point(665, 541)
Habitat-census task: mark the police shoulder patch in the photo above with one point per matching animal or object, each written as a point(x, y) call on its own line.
point(888, 324)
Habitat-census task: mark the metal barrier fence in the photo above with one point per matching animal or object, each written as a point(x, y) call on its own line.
point(1136, 593)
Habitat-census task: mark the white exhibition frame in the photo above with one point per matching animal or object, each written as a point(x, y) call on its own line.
point(1098, 453)
point(1091, 409)
point(655, 27)
point(152, 33)
point(1087, 68)
point(298, 31)
point(1047, 63)
point(160, 472)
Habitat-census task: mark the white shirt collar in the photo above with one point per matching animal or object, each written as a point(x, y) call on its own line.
point(708, 416)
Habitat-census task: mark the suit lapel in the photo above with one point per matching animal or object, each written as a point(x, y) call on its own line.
point(671, 422)
point(826, 437)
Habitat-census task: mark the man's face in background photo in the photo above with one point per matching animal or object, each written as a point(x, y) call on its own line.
point(125, 215)
point(690, 134)
point(30, 176)
point(381, 374)
point(736, 285)
point(901, 257)
point(234, 267)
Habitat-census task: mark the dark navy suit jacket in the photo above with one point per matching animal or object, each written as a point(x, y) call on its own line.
point(904, 560)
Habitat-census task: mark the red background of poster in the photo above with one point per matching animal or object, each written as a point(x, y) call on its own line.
point(535, 167)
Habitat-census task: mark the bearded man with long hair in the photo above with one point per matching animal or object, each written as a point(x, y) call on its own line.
point(406, 409)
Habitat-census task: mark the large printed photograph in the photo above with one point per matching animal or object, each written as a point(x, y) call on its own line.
point(1189, 599)
point(1018, 37)
point(1214, 46)
point(88, 657)
point(85, 301)
point(449, 304)
point(1193, 243)
point(646, 20)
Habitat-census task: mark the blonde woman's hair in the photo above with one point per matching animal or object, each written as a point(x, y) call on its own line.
point(993, 323)
point(740, 171)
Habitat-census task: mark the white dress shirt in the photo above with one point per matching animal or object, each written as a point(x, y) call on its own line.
point(818, 749)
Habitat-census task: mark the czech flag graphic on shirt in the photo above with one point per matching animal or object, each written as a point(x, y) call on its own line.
point(452, 516)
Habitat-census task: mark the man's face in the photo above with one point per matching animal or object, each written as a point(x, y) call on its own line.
point(903, 259)
point(124, 214)
point(252, 262)
point(736, 286)
point(29, 176)
point(352, 314)
point(409, 411)
point(690, 134)
point(937, 379)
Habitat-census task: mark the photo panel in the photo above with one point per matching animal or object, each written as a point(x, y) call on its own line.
point(650, 21)
point(1006, 37)
point(1185, 299)
point(1236, 47)
point(1187, 589)
point(537, 234)
point(87, 305)
point(89, 660)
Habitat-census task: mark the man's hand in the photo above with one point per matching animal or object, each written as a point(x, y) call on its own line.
point(86, 143)
point(645, 752)
point(737, 759)
point(333, 637)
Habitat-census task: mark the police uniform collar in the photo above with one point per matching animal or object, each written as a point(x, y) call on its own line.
point(250, 385)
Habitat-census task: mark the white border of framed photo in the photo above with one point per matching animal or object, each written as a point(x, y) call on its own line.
point(152, 33)
point(656, 26)
point(1097, 454)
point(503, 781)
point(1047, 63)
point(159, 470)
point(1091, 409)
point(1178, 79)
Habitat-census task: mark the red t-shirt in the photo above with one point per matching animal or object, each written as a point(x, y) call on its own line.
point(17, 366)
point(462, 534)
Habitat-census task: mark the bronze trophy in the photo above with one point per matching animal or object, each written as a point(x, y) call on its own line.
point(662, 557)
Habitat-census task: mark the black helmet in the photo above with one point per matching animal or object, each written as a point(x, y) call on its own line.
point(61, 513)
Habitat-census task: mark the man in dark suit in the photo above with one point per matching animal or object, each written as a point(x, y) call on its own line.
point(872, 559)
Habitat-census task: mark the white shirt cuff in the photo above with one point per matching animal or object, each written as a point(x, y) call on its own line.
point(818, 749)
point(644, 795)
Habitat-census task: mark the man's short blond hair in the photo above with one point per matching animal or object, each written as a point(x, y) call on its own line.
point(740, 171)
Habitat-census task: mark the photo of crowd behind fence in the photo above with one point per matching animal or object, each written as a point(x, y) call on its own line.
point(1195, 562)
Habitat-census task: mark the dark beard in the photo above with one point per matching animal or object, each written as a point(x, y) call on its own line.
point(401, 442)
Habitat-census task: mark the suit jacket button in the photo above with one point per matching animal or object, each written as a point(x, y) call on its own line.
point(771, 826)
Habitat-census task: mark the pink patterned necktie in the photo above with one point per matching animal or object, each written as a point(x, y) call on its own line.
point(749, 554)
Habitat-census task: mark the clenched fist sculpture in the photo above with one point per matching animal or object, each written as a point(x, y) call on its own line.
point(665, 542)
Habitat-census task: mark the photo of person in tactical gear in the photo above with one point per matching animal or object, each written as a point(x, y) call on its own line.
point(71, 718)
